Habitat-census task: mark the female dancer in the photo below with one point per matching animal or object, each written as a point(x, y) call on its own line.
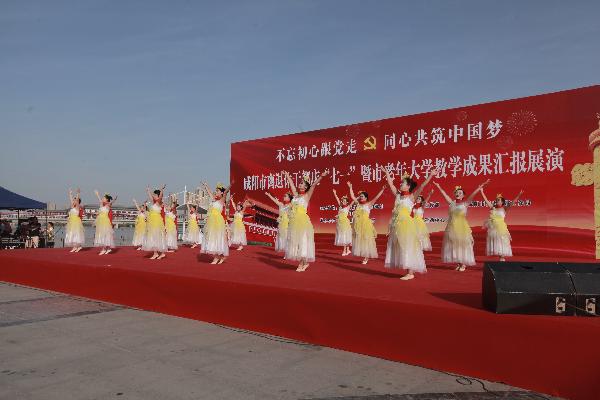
point(418, 213)
point(343, 227)
point(105, 235)
point(498, 236)
point(301, 235)
point(282, 220)
point(457, 246)
point(154, 239)
point(238, 230)
point(215, 230)
point(171, 226)
point(404, 243)
point(363, 239)
point(193, 234)
point(140, 225)
point(74, 233)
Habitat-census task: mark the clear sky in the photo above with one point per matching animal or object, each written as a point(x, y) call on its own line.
point(115, 95)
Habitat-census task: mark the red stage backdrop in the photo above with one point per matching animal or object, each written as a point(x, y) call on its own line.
point(540, 144)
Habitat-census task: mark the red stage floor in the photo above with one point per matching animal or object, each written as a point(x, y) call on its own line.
point(435, 320)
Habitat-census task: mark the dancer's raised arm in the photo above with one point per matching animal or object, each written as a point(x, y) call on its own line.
point(313, 186)
point(98, 196)
point(378, 195)
point(290, 182)
point(426, 200)
point(507, 206)
point(425, 183)
point(390, 180)
point(274, 199)
point(207, 188)
point(479, 188)
point(337, 199)
point(444, 194)
point(352, 196)
point(137, 206)
point(485, 199)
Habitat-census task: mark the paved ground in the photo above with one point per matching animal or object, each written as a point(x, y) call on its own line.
point(54, 346)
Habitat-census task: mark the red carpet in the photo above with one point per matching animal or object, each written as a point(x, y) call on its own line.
point(435, 321)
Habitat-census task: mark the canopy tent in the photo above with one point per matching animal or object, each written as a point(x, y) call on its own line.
point(13, 201)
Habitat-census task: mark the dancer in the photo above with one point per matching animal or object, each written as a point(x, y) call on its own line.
point(418, 212)
point(105, 234)
point(140, 225)
point(282, 220)
point(193, 234)
point(154, 239)
point(457, 246)
point(301, 235)
point(364, 233)
point(498, 236)
point(404, 249)
point(171, 225)
point(74, 233)
point(343, 227)
point(215, 230)
point(238, 230)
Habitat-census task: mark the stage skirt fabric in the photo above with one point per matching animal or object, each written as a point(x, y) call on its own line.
point(343, 228)
point(301, 235)
point(105, 235)
point(422, 231)
point(282, 229)
point(140, 230)
point(154, 239)
point(215, 240)
point(498, 236)
point(457, 246)
point(171, 228)
point(74, 233)
point(238, 230)
point(404, 244)
point(363, 240)
point(193, 234)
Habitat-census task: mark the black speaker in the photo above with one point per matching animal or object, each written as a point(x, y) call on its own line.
point(586, 280)
point(528, 288)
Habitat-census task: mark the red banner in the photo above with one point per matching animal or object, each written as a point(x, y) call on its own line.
point(540, 144)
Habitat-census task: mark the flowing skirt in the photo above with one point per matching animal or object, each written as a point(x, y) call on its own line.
point(301, 236)
point(343, 231)
point(404, 245)
point(193, 234)
point(139, 232)
point(282, 234)
point(105, 235)
point(423, 233)
point(457, 246)
point(154, 239)
point(498, 238)
point(74, 235)
point(363, 241)
point(238, 233)
point(171, 233)
point(215, 235)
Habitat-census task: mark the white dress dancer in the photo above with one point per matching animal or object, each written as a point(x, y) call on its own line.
point(215, 233)
point(238, 230)
point(171, 228)
point(155, 238)
point(404, 246)
point(105, 235)
point(140, 230)
point(422, 232)
point(343, 228)
point(301, 235)
point(75, 234)
point(282, 228)
point(498, 237)
point(457, 246)
point(193, 234)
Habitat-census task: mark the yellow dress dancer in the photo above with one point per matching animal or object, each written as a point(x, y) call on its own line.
point(238, 230)
point(457, 246)
point(282, 228)
point(404, 245)
point(301, 235)
point(154, 239)
point(104, 230)
point(171, 228)
point(74, 233)
point(343, 228)
point(215, 231)
point(193, 234)
point(140, 230)
point(363, 241)
point(498, 236)
point(422, 231)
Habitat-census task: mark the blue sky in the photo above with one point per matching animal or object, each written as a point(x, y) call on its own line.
point(115, 95)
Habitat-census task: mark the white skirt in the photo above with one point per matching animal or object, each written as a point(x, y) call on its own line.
point(172, 240)
point(105, 236)
point(343, 237)
point(457, 253)
point(154, 239)
point(74, 235)
point(497, 244)
point(238, 235)
point(194, 237)
point(281, 240)
point(215, 243)
point(404, 247)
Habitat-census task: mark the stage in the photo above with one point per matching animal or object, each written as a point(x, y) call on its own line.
point(435, 320)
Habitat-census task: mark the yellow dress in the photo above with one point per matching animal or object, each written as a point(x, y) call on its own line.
point(74, 233)
point(171, 229)
point(104, 230)
point(193, 234)
point(282, 228)
point(498, 236)
point(422, 230)
point(301, 235)
point(140, 229)
point(238, 230)
point(363, 240)
point(343, 228)
point(154, 239)
point(457, 246)
point(404, 245)
point(215, 231)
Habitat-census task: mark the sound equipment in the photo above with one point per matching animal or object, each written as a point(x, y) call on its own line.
point(541, 288)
